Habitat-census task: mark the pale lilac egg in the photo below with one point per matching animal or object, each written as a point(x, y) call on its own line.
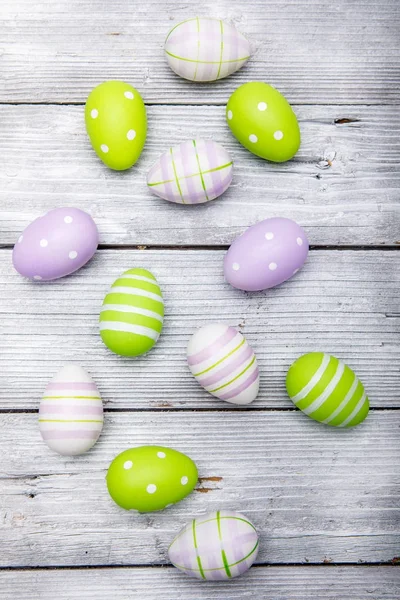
point(55, 245)
point(266, 254)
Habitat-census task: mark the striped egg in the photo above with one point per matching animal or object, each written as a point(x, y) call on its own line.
point(206, 49)
point(71, 412)
point(194, 172)
point(132, 314)
point(216, 547)
point(327, 390)
point(223, 363)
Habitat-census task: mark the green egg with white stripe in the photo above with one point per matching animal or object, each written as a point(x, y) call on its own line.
point(327, 390)
point(132, 314)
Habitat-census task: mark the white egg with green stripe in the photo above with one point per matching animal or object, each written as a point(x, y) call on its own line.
point(132, 314)
point(71, 412)
point(206, 49)
point(216, 547)
point(224, 363)
point(327, 390)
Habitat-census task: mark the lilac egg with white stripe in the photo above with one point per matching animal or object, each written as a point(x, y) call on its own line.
point(71, 412)
point(206, 49)
point(224, 364)
point(194, 172)
point(215, 547)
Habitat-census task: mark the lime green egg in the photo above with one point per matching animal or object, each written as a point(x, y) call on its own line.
point(132, 314)
point(150, 478)
point(263, 121)
point(327, 390)
point(116, 122)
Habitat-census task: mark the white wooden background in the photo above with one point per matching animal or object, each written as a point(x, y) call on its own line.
point(325, 501)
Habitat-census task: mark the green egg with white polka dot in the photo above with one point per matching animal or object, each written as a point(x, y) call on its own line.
point(132, 314)
point(263, 121)
point(150, 478)
point(327, 390)
point(116, 122)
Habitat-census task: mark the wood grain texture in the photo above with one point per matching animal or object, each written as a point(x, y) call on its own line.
point(343, 186)
point(314, 51)
point(314, 493)
point(342, 302)
point(277, 583)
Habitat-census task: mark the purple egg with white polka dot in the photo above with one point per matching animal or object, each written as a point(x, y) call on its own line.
point(56, 244)
point(266, 254)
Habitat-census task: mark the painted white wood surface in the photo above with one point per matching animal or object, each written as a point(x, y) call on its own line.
point(275, 583)
point(315, 493)
point(343, 186)
point(342, 302)
point(314, 51)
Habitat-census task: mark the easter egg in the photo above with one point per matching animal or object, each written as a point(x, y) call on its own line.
point(194, 172)
point(204, 49)
point(223, 363)
point(150, 478)
point(327, 390)
point(132, 314)
point(71, 412)
point(216, 547)
point(56, 244)
point(266, 254)
point(263, 121)
point(116, 123)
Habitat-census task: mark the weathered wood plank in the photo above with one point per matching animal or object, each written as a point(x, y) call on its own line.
point(343, 186)
point(316, 494)
point(343, 302)
point(279, 583)
point(312, 50)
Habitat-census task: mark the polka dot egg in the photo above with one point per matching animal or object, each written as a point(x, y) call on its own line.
point(150, 478)
point(223, 363)
point(263, 121)
point(194, 172)
point(132, 314)
point(71, 412)
point(215, 547)
point(327, 390)
point(56, 244)
point(266, 254)
point(205, 49)
point(116, 123)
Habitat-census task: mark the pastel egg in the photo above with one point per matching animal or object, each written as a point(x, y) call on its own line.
point(132, 314)
point(266, 254)
point(205, 49)
point(223, 363)
point(150, 478)
point(194, 172)
point(263, 121)
point(56, 244)
point(116, 122)
point(215, 547)
point(71, 412)
point(327, 390)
